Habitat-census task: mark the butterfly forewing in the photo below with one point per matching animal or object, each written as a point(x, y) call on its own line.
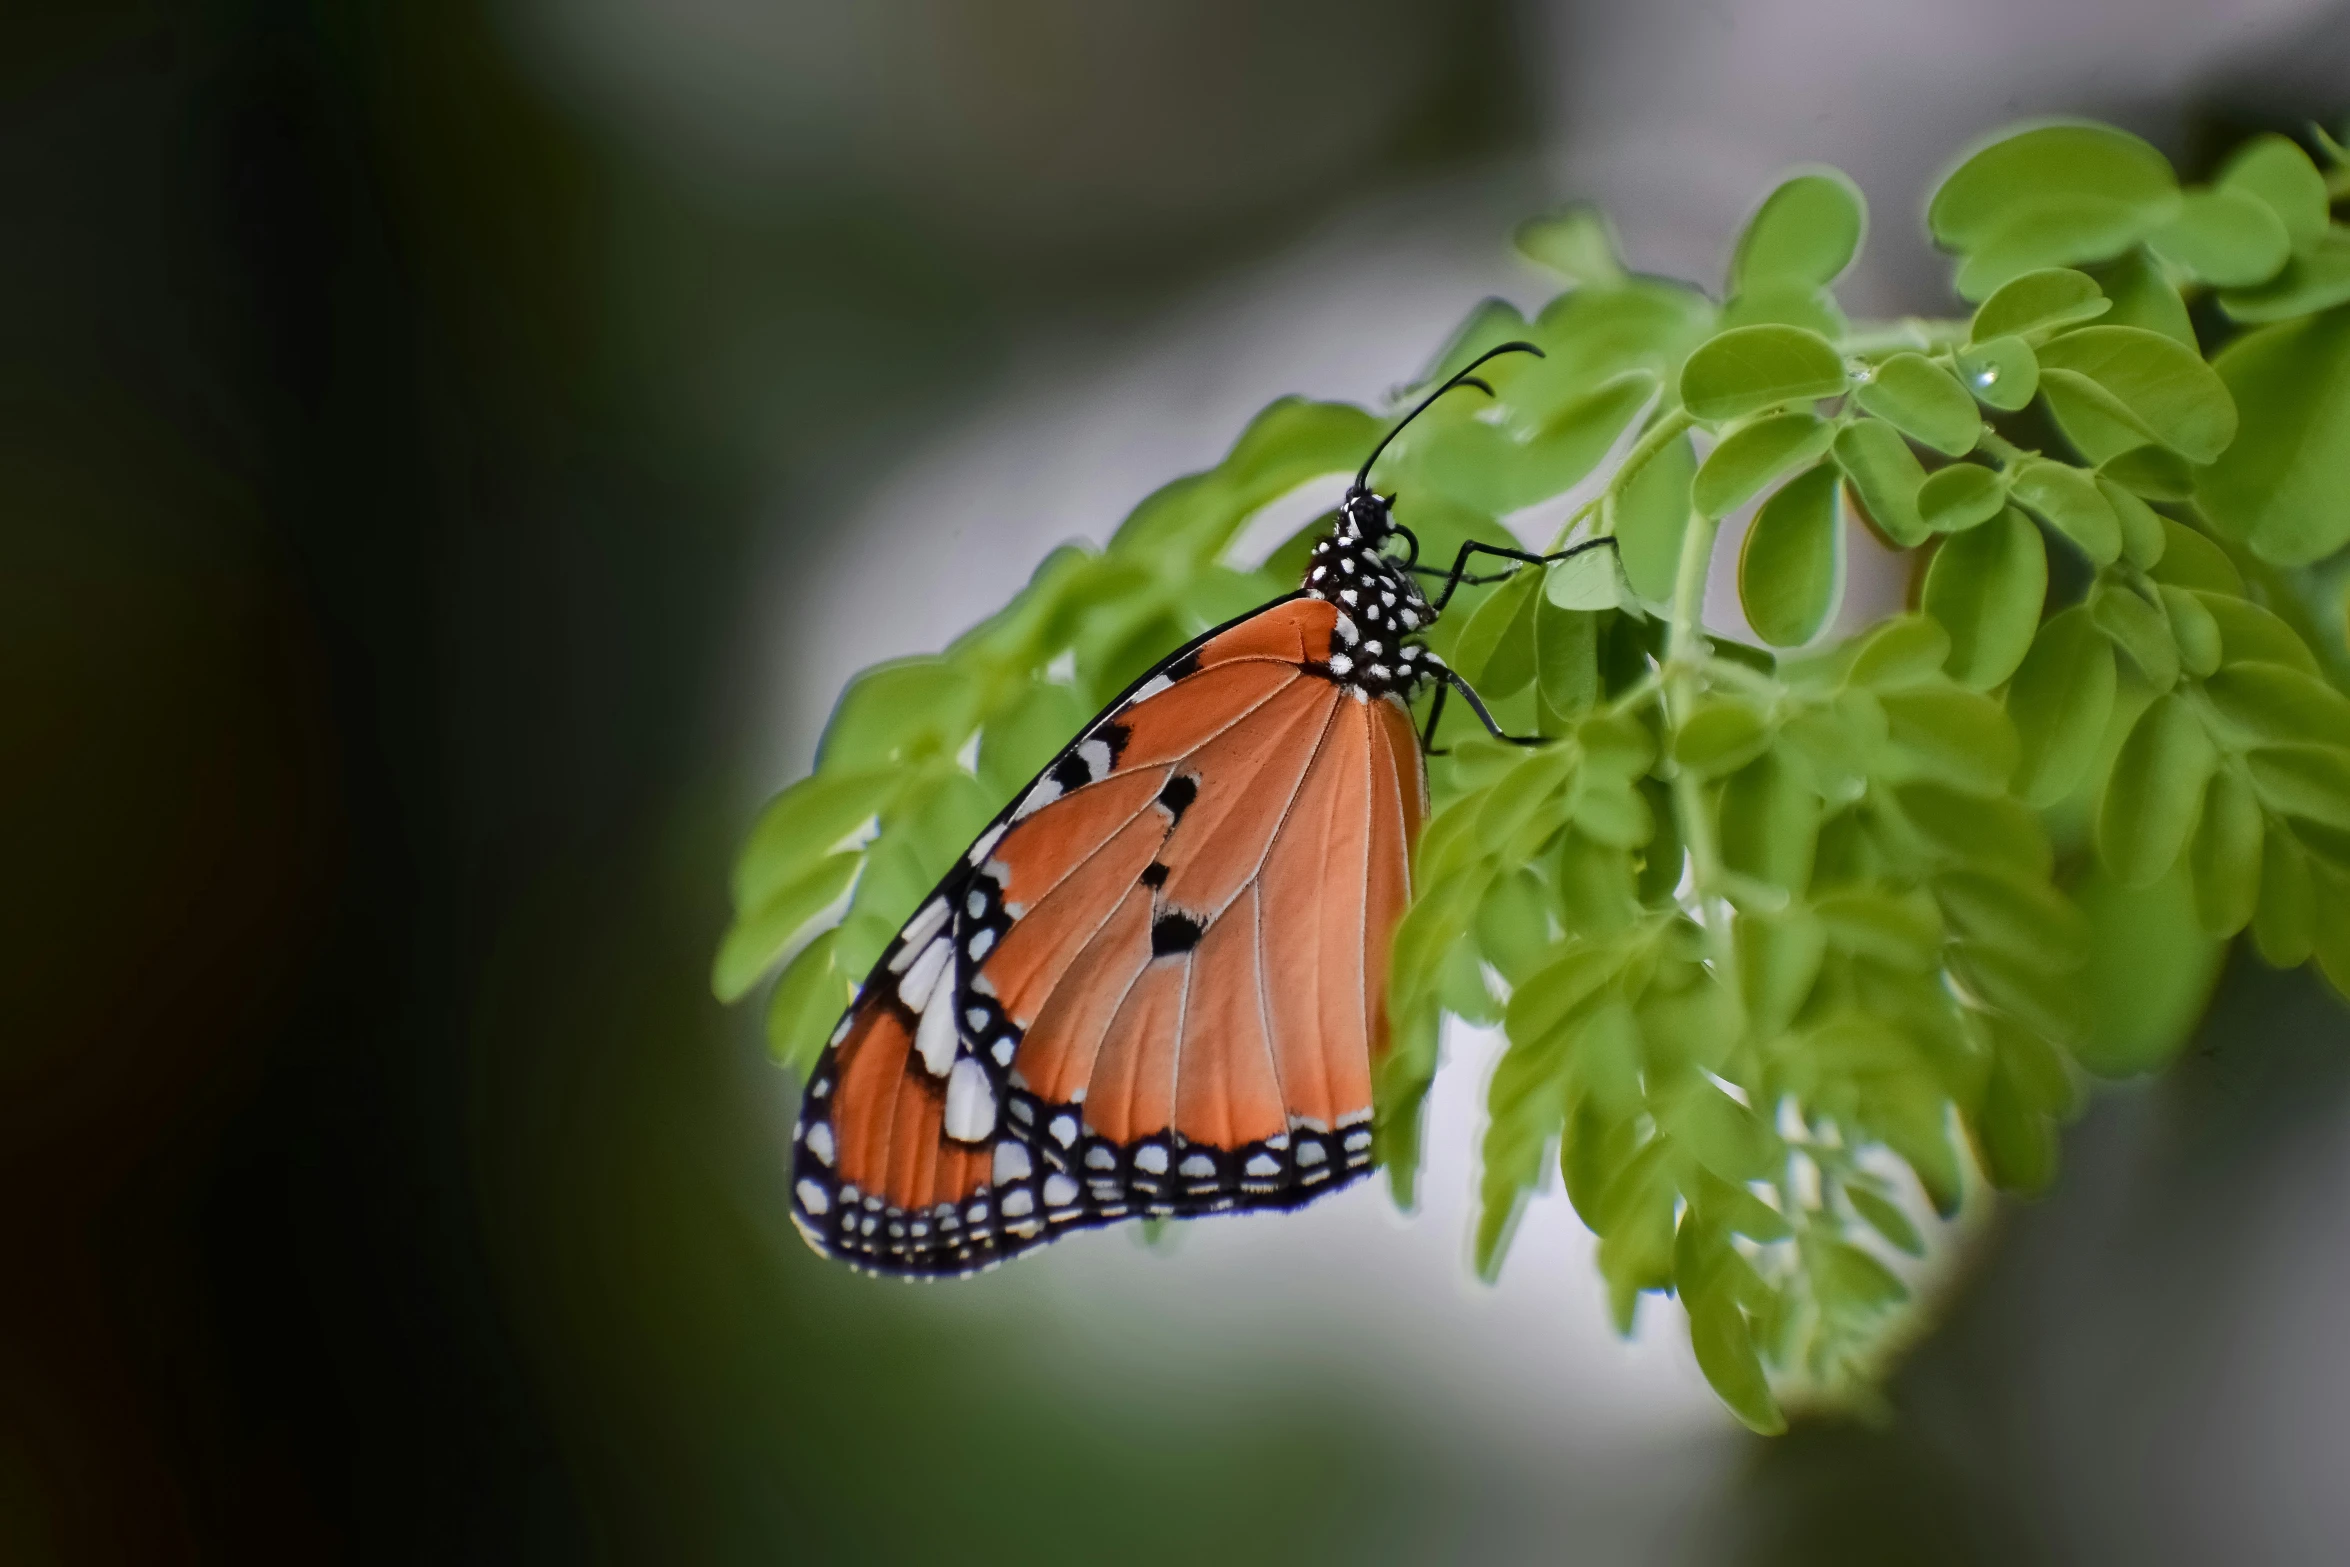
point(1154, 986)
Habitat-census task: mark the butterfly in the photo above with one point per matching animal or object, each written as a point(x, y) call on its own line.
point(1156, 984)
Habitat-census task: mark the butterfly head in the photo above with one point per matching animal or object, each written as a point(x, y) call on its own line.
point(1367, 515)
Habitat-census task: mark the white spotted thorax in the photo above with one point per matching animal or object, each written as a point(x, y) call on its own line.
point(1374, 649)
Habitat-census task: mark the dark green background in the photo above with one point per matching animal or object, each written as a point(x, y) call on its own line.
point(385, 445)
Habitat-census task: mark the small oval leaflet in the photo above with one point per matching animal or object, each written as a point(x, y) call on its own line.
point(1750, 368)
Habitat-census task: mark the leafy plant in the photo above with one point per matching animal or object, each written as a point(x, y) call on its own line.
point(1790, 944)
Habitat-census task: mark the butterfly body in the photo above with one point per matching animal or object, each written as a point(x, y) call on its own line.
point(1155, 985)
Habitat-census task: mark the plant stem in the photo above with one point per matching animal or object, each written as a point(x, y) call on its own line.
point(1653, 440)
point(1686, 658)
point(1911, 332)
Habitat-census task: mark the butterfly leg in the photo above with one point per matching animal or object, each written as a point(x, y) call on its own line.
point(1458, 577)
point(1449, 681)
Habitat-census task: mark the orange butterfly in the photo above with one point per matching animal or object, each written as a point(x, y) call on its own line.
point(1156, 984)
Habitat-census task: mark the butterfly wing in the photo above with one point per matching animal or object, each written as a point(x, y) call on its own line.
point(1156, 985)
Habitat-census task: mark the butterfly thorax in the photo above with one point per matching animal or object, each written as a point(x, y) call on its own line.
point(1381, 612)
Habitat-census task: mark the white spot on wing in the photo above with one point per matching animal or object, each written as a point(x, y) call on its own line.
point(970, 1113)
point(1151, 687)
point(1095, 754)
point(1197, 1167)
point(922, 976)
point(1059, 1190)
point(935, 1040)
point(812, 1196)
point(918, 930)
point(820, 1144)
point(1017, 1203)
point(987, 841)
point(1011, 1162)
point(1151, 1159)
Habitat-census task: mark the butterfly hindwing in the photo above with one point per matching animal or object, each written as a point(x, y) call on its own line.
point(1155, 985)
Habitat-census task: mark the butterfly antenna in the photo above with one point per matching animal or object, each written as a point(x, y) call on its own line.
point(1464, 378)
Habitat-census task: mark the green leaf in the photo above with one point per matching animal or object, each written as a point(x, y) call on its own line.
point(1887, 1220)
point(802, 825)
point(2151, 471)
point(2038, 303)
point(1958, 497)
point(1720, 737)
point(1778, 959)
point(2225, 855)
point(2049, 197)
point(1755, 454)
point(2143, 296)
point(2059, 701)
point(2150, 973)
point(1556, 995)
point(1899, 652)
point(1725, 1136)
point(1496, 469)
point(2224, 237)
point(2143, 536)
point(1769, 820)
point(1750, 368)
point(1652, 514)
point(808, 1000)
point(1588, 580)
point(2003, 373)
point(2307, 781)
point(1578, 243)
point(1886, 475)
point(762, 936)
point(2189, 560)
point(2071, 503)
point(1806, 232)
point(1952, 734)
point(1566, 656)
point(1970, 826)
point(2250, 634)
point(2163, 388)
point(2139, 630)
point(1785, 304)
point(2284, 924)
point(2317, 279)
point(1904, 932)
point(1494, 650)
point(2155, 793)
point(2276, 173)
point(2194, 629)
point(1791, 567)
point(2279, 488)
point(1726, 1354)
point(2025, 918)
point(1986, 587)
point(1851, 1281)
point(1923, 401)
point(2275, 704)
point(897, 711)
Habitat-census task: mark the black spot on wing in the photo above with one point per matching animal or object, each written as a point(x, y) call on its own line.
point(1154, 875)
point(1172, 933)
point(1178, 795)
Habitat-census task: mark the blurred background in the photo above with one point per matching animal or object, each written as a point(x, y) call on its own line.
point(450, 456)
